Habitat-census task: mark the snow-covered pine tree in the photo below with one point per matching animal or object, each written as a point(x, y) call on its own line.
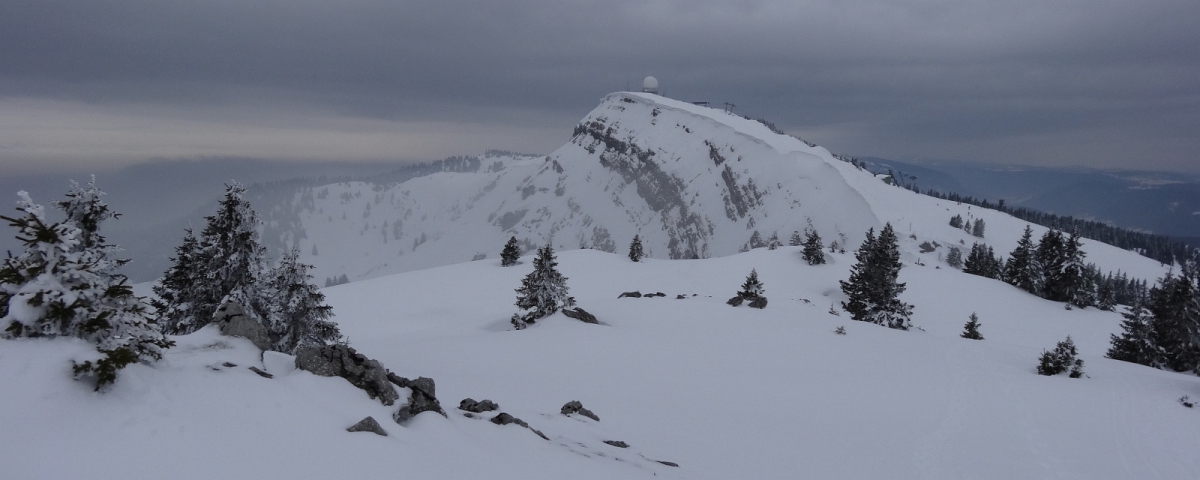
point(1106, 294)
point(1022, 269)
point(977, 228)
point(813, 253)
point(511, 253)
point(954, 258)
point(543, 291)
point(1175, 304)
point(65, 284)
point(892, 313)
point(298, 315)
point(1051, 255)
point(872, 287)
point(795, 241)
point(858, 288)
point(635, 249)
point(1061, 359)
point(956, 221)
point(971, 329)
point(752, 288)
point(1076, 280)
point(977, 262)
point(229, 262)
point(177, 291)
point(1136, 342)
point(773, 242)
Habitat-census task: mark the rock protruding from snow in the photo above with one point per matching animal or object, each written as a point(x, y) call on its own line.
point(231, 318)
point(634, 294)
point(574, 406)
point(343, 361)
point(470, 405)
point(505, 419)
point(368, 425)
point(758, 302)
point(581, 315)
point(422, 399)
point(617, 443)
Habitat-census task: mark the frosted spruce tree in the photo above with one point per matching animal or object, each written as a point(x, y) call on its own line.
point(1077, 284)
point(1136, 342)
point(971, 329)
point(229, 262)
point(298, 314)
point(874, 293)
point(511, 253)
point(773, 242)
point(179, 288)
point(543, 291)
point(65, 284)
point(1051, 257)
point(1175, 329)
point(813, 253)
point(977, 228)
point(1022, 269)
point(635, 249)
point(796, 239)
point(954, 258)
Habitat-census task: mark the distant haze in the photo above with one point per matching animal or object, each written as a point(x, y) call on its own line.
point(87, 85)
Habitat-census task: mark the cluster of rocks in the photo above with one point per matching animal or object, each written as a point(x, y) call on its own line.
point(756, 301)
point(574, 406)
point(470, 405)
point(637, 294)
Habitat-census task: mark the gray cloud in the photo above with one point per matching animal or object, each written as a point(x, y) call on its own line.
point(1103, 83)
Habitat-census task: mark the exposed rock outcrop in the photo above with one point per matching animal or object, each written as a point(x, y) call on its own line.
point(368, 425)
point(232, 320)
point(574, 406)
point(422, 399)
point(581, 315)
point(343, 361)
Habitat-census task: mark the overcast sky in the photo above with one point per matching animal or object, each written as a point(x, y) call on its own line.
point(88, 84)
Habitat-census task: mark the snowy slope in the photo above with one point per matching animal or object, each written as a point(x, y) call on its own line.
point(724, 392)
point(692, 181)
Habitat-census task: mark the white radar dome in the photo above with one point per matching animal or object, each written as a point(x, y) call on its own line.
point(650, 85)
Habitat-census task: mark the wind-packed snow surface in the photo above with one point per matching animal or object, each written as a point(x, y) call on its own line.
point(723, 392)
point(692, 181)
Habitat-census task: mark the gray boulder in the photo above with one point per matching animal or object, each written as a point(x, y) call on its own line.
point(574, 406)
point(617, 443)
point(368, 425)
point(581, 315)
point(343, 361)
point(470, 405)
point(735, 301)
point(232, 320)
point(422, 399)
point(634, 294)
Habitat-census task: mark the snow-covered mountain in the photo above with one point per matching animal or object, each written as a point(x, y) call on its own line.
point(692, 181)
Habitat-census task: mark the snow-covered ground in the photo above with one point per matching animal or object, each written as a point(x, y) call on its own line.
point(724, 392)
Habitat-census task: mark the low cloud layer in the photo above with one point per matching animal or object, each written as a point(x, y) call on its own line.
point(95, 82)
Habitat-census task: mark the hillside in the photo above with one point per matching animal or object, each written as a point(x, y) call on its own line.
point(723, 392)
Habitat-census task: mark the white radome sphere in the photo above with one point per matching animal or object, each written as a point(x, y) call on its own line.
point(650, 84)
